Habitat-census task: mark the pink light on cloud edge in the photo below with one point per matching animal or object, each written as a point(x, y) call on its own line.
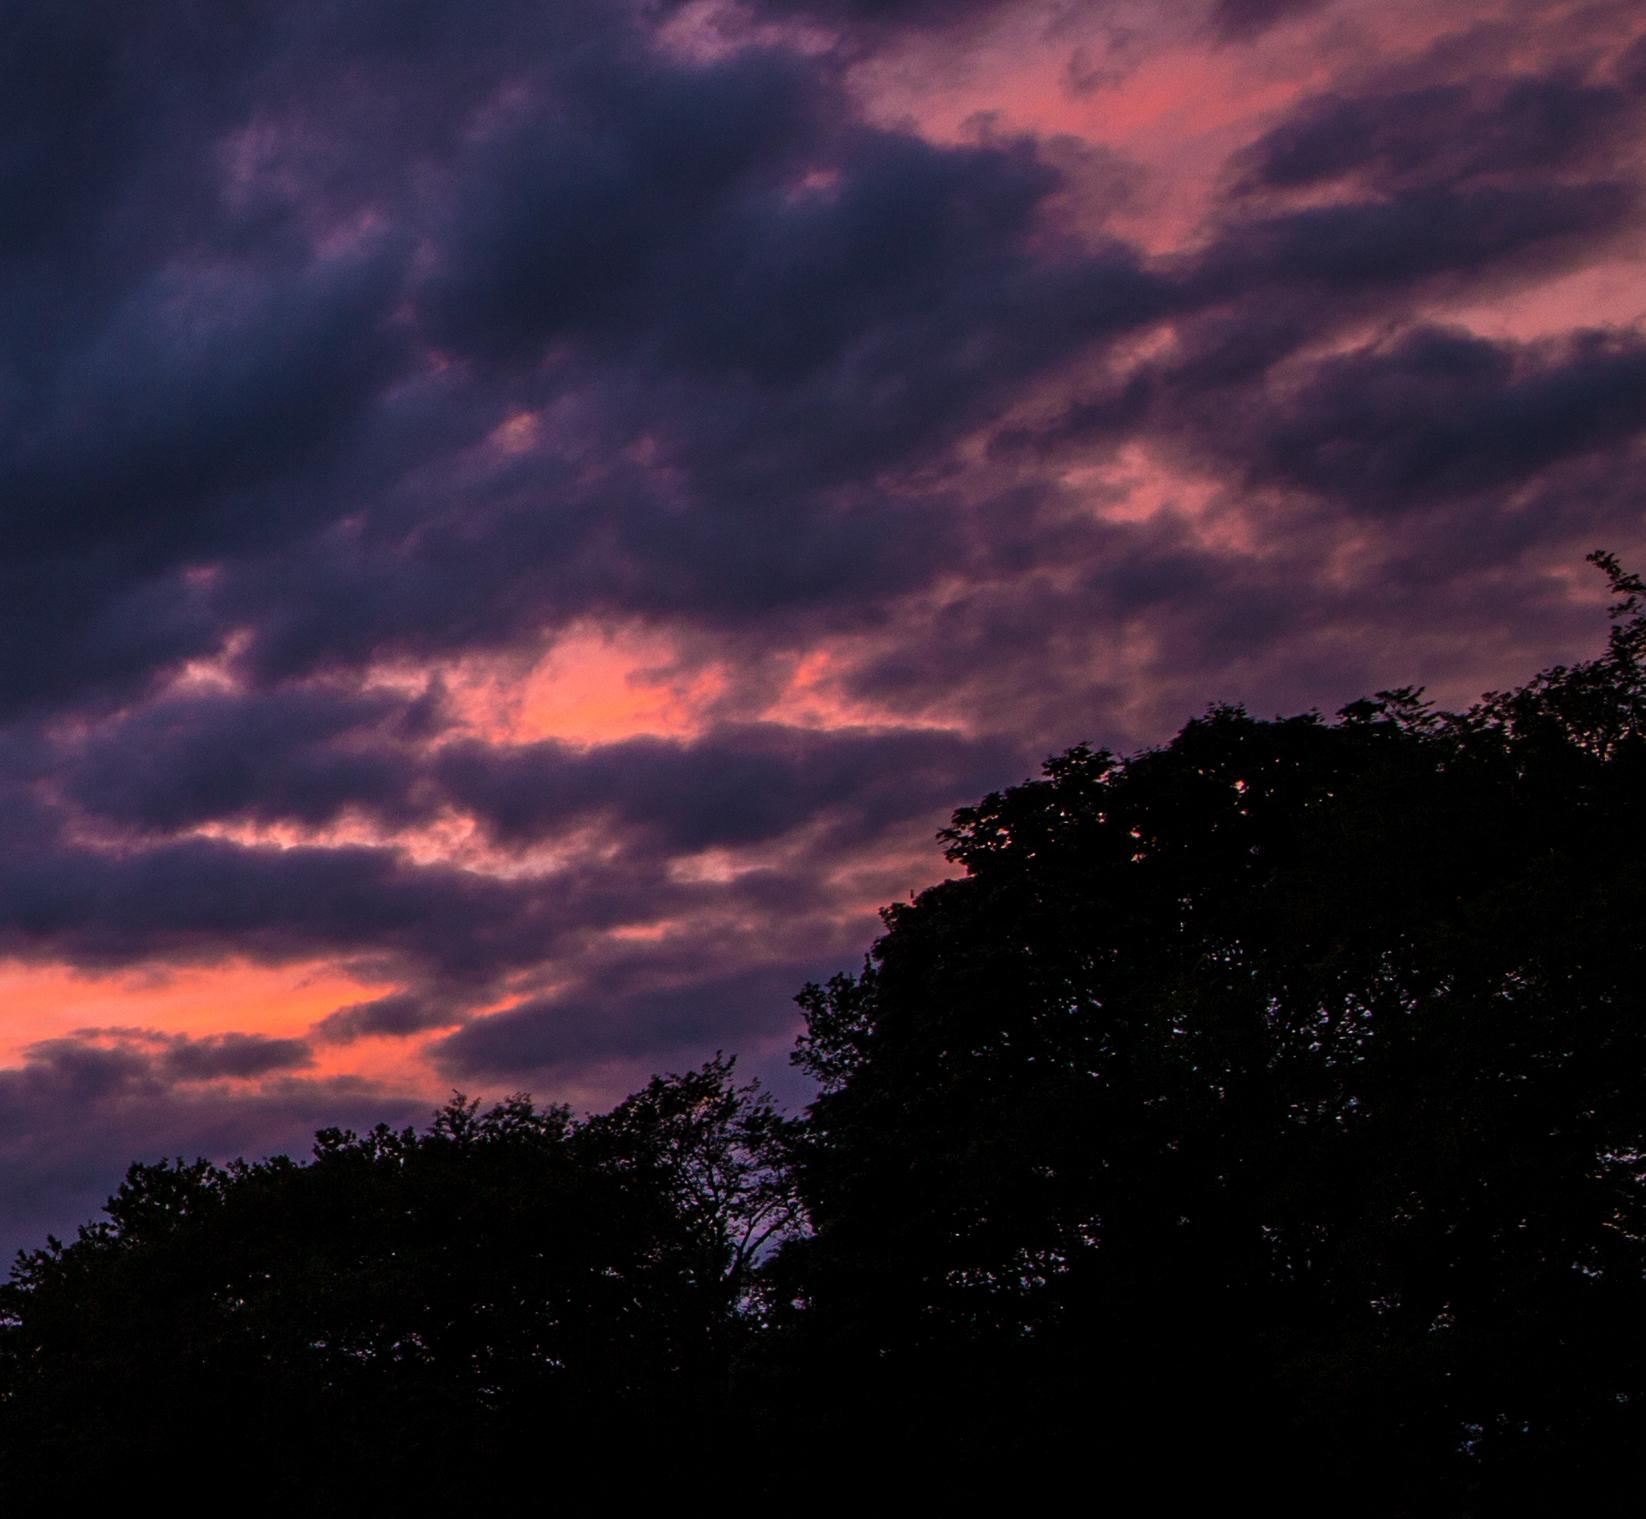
point(49, 1001)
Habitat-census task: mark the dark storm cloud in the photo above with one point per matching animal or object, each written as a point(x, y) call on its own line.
point(782, 326)
point(1383, 246)
point(396, 1016)
point(1631, 67)
point(869, 20)
point(1488, 183)
point(233, 1055)
point(306, 756)
point(731, 787)
point(510, 562)
point(793, 308)
point(1245, 20)
point(876, 16)
point(203, 899)
point(1426, 416)
point(121, 170)
point(268, 756)
point(785, 305)
point(1154, 583)
point(1449, 132)
point(889, 314)
point(161, 374)
point(571, 223)
point(76, 1072)
point(94, 1062)
point(1438, 414)
point(155, 439)
point(84, 629)
point(336, 337)
point(453, 933)
point(798, 314)
point(185, 366)
point(789, 303)
point(655, 1023)
point(721, 978)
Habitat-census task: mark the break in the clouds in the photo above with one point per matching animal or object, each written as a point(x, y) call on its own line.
point(521, 523)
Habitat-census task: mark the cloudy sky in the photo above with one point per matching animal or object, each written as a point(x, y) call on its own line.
point(522, 520)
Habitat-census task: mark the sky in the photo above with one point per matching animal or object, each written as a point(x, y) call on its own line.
point(522, 521)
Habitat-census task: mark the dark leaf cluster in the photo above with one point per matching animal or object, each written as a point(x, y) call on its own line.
point(1266, 1112)
point(408, 1315)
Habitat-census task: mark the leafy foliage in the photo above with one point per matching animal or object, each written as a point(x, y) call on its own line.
point(508, 1288)
point(1277, 1093)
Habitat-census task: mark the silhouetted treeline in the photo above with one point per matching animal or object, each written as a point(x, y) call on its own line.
point(1259, 1120)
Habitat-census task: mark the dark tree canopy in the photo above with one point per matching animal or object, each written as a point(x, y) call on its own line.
point(1273, 1103)
point(510, 1298)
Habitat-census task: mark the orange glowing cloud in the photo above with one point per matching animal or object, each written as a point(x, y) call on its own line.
point(592, 685)
point(51, 1001)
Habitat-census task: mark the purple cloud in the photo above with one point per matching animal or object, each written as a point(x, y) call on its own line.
point(920, 394)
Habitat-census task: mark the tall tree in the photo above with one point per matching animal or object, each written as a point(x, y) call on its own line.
point(1274, 1100)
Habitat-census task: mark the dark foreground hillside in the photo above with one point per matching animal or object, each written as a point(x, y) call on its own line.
point(1257, 1120)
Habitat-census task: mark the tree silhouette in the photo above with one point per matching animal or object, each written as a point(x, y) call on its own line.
point(1271, 1103)
point(510, 1296)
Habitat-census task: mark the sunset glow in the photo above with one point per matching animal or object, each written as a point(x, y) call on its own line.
point(525, 527)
